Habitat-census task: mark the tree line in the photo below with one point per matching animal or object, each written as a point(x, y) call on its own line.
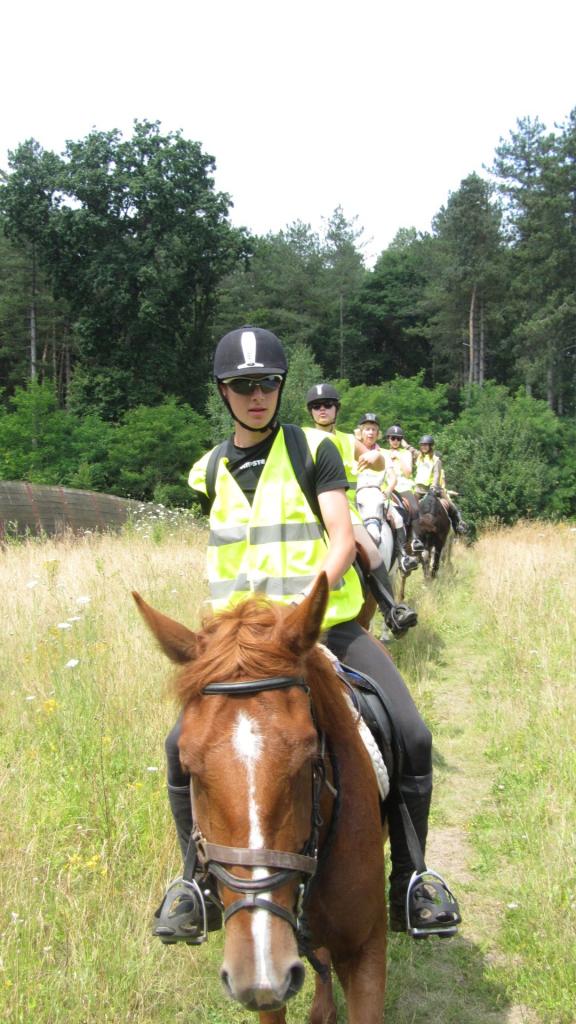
point(120, 268)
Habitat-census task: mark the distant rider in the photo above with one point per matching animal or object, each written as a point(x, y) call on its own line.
point(368, 430)
point(429, 473)
point(323, 402)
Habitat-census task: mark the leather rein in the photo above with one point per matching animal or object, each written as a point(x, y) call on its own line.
point(214, 856)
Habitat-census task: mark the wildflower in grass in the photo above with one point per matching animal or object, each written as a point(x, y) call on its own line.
point(31, 696)
point(135, 785)
point(72, 663)
point(49, 705)
point(106, 741)
point(152, 768)
point(64, 625)
point(74, 618)
point(31, 584)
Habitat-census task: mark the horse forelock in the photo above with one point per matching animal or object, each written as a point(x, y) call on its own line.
point(244, 642)
point(248, 642)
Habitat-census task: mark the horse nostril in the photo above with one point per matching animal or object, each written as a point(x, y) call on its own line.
point(225, 981)
point(296, 976)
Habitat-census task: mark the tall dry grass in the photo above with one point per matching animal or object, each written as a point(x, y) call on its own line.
point(86, 842)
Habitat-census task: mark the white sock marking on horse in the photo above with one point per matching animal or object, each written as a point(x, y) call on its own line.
point(248, 745)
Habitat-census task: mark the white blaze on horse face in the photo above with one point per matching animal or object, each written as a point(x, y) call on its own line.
point(248, 745)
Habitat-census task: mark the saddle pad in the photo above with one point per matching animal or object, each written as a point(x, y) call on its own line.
point(366, 701)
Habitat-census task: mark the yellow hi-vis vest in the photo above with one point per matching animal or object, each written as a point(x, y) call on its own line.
point(346, 445)
point(275, 546)
point(401, 463)
point(425, 467)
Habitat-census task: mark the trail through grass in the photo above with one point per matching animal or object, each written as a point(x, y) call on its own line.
point(86, 842)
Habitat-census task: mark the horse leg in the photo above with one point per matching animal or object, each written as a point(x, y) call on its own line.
point(363, 978)
point(323, 1008)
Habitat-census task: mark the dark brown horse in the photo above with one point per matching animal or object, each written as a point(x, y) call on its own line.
point(433, 529)
point(285, 803)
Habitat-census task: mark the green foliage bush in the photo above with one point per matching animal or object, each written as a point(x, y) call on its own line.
point(146, 456)
point(503, 456)
point(152, 450)
point(404, 400)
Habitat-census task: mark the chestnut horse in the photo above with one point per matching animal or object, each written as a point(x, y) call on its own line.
point(286, 806)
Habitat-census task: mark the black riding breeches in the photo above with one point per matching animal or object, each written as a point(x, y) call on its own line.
point(353, 646)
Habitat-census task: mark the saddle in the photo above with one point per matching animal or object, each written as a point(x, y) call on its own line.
point(369, 703)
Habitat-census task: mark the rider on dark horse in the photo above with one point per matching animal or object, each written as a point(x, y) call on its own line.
point(265, 538)
point(323, 402)
point(429, 474)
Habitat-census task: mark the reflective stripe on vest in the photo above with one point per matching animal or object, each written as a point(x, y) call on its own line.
point(274, 547)
point(346, 445)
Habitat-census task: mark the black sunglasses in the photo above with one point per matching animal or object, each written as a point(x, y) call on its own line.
point(322, 405)
point(247, 385)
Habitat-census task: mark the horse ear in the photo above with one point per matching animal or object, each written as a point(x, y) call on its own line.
point(303, 625)
point(177, 642)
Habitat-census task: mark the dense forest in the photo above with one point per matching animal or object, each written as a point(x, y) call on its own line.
point(120, 268)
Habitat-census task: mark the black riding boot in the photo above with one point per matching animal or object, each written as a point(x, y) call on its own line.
point(398, 617)
point(458, 524)
point(433, 909)
point(406, 563)
point(190, 908)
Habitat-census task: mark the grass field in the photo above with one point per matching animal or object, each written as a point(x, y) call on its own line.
point(86, 840)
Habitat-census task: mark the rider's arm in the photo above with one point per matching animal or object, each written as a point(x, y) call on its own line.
point(368, 458)
point(437, 473)
point(342, 547)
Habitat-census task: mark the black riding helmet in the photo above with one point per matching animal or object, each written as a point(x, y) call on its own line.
point(250, 352)
point(369, 417)
point(325, 391)
point(395, 431)
point(427, 439)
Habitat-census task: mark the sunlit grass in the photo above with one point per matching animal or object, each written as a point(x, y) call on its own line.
point(86, 841)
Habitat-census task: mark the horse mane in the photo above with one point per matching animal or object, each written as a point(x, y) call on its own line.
point(248, 642)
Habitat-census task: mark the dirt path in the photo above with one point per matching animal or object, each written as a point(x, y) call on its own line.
point(436, 982)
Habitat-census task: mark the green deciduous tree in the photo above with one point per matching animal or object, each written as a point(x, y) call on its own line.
point(135, 239)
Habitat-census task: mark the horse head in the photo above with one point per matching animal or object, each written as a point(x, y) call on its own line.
point(370, 502)
point(250, 744)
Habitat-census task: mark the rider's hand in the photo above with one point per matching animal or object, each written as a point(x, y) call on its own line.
point(367, 458)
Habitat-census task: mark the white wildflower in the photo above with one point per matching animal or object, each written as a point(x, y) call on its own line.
point(64, 625)
point(72, 663)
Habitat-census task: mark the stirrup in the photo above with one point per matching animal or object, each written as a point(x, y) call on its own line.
point(417, 545)
point(400, 618)
point(431, 908)
point(407, 564)
point(183, 916)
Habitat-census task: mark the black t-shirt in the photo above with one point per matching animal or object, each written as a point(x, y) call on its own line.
point(246, 465)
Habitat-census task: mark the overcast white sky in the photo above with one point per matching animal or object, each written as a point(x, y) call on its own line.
point(381, 108)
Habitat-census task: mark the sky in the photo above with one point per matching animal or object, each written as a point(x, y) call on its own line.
point(376, 107)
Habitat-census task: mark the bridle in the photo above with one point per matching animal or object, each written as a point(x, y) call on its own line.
point(214, 857)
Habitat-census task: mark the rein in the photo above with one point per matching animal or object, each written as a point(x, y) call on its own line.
point(214, 857)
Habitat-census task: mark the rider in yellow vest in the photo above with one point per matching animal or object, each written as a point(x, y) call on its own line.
point(265, 537)
point(323, 402)
point(429, 472)
point(393, 486)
